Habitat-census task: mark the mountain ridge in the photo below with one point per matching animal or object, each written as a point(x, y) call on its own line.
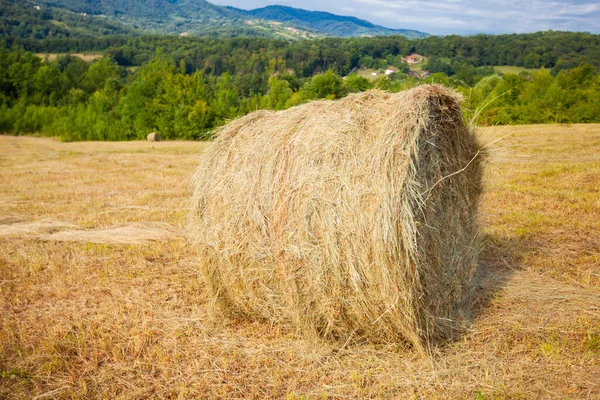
point(326, 22)
point(202, 18)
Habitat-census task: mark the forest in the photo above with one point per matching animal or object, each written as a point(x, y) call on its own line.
point(185, 87)
point(550, 49)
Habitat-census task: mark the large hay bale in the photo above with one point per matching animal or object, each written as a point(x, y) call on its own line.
point(350, 218)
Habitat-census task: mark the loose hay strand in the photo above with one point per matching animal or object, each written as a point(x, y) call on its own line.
point(315, 217)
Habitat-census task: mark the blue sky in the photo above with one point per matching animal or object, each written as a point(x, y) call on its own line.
point(456, 16)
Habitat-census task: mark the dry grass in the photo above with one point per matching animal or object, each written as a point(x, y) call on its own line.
point(345, 219)
point(130, 321)
point(134, 233)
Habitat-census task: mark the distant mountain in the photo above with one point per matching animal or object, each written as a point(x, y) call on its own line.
point(182, 17)
point(185, 17)
point(29, 20)
point(162, 16)
point(327, 23)
point(162, 12)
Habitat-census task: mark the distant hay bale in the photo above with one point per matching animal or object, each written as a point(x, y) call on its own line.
point(354, 218)
point(153, 137)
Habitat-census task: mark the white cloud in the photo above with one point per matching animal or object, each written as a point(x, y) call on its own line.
point(496, 16)
point(457, 16)
point(444, 21)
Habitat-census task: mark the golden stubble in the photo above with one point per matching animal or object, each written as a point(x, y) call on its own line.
point(128, 321)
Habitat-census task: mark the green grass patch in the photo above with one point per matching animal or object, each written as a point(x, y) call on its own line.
point(592, 342)
point(368, 73)
point(512, 69)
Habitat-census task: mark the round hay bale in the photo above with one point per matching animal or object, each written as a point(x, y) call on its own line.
point(354, 218)
point(153, 137)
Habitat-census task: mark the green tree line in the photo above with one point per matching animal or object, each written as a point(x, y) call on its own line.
point(101, 100)
point(551, 50)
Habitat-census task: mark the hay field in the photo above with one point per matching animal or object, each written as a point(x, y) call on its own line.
point(85, 313)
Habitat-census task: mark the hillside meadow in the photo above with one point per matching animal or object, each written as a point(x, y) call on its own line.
point(100, 295)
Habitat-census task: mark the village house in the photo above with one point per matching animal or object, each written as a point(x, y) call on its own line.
point(413, 59)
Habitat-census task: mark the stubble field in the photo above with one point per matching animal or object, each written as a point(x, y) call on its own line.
point(100, 296)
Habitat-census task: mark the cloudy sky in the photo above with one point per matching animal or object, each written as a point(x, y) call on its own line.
point(456, 16)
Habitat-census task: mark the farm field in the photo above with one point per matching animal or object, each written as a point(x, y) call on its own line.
point(84, 56)
point(368, 73)
point(510, 69)
point(100, 295)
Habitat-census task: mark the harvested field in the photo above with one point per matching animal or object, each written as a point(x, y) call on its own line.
point(84, 56)
point(80, 319)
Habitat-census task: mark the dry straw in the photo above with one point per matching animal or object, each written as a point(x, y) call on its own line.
point(350, 219)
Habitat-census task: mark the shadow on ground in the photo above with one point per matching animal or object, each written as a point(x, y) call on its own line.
point(500, 259)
